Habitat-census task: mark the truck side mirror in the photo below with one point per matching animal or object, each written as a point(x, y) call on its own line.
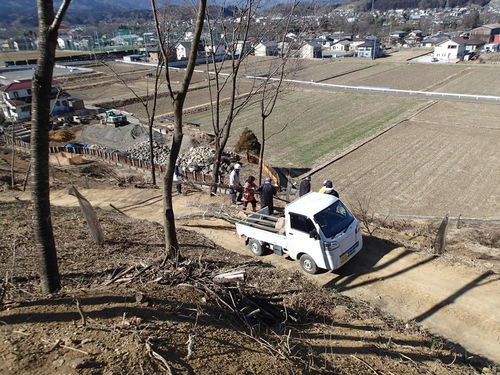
point(314, 234)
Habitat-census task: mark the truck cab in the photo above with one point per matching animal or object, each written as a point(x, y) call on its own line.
point(319, 230)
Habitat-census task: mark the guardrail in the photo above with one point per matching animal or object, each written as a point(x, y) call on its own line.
point(115, 158)
point(422, 94)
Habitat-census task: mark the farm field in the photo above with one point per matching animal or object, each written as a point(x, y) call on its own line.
point(329, 69)
point(110, 68)
point(193, 98)
point(480, 80)
point(406, 54)
point(420, 168)
point(118, 90)
point(400, 76)
point(317, 123)
point(256, 65)
point(472, 115)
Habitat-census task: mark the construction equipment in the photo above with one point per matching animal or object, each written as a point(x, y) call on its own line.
point(317, 229)
point(114, 117)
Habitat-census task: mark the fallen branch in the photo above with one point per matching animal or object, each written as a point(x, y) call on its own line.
point(366, 364)
point(117, 209)
point(190, 344)
point(119, 275)
point(158, 357)
point(80, 311)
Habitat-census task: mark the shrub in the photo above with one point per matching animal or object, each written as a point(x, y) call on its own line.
point(247, 142)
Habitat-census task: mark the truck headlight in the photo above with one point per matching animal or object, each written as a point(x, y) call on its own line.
point(332, 245)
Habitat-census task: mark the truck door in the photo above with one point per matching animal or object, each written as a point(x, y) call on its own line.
point(300, 240)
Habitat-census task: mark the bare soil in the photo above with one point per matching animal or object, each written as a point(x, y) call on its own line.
point(320, 331)
point(424, 168)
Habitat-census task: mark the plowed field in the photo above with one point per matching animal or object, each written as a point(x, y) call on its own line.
point(421, 168)
point(480, 81)
point(404, 77)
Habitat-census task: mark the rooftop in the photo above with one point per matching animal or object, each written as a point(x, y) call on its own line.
point(311, 203)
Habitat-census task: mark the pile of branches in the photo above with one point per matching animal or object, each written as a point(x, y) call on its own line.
point(263, 321)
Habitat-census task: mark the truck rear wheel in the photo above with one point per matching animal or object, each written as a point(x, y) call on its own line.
point(308, 264)
point(255, 247)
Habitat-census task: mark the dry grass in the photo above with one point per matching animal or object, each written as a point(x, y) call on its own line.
point(61, 136)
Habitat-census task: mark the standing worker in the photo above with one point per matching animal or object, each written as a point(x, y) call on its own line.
point(178, 173)
point(305, 186)
point(328, 188)
point(267, 191)
point(249, 193)
point(234, 184)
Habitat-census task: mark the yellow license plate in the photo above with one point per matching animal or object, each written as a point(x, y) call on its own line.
point(344, 258)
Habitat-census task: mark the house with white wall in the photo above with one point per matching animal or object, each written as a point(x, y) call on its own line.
point(16, 98)
point(266, 49)
point(311, 50)
point(183, 50)
point(342, 46)
point(450, 49)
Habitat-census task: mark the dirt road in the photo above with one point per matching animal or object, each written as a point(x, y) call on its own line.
point(453, 301)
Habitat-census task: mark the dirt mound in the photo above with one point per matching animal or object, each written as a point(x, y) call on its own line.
point(180, 318)
point(120, 138)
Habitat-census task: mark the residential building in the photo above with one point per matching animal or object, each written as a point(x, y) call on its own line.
point(450, 49)
point(155, 56)
point(370, 49)
point(311, 50)
point(183, 50)
point(216, 50)
point(486, 33)
point(434, 40)
point(342, 46)
point(266, 49)
point(16, 97)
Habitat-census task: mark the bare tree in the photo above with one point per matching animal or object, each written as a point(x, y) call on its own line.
point(178, 98)
point(48, 27)
point(272, 83)
point(150, 108)
point(237, 48)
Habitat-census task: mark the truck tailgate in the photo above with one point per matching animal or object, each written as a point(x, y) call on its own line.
point(261, 235)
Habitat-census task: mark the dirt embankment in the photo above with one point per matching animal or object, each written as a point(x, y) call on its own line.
point(179, 318)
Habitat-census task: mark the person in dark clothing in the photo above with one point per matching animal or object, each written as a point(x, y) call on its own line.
point(178, 173)
point(305, 186)
point(267, 191)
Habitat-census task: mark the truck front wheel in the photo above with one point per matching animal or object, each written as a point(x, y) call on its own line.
point(255, 247)
point(308, 264)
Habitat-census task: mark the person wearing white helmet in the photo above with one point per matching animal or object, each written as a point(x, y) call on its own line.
point(328, 188)
point(235, 185)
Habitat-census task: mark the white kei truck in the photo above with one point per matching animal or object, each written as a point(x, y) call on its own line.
point(318, 229)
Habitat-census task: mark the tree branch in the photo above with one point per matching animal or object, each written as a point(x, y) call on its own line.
point(56, 23)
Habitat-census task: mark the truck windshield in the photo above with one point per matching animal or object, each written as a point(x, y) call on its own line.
point(334, 219)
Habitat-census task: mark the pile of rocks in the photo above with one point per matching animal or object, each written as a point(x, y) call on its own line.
point(141, 151)
point(201, 159)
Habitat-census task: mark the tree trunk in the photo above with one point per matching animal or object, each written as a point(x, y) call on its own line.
point(42, 224)
point(216, 171)
point(262, 145)
point(42, 87)
point(151, 154)
point(171, 242)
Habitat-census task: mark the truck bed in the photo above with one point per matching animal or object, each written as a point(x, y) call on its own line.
point(262, 227)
